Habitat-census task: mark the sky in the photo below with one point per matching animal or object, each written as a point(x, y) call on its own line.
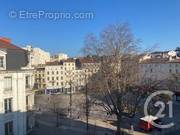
point(155, 22)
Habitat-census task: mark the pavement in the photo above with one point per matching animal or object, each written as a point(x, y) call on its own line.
point(46, 128)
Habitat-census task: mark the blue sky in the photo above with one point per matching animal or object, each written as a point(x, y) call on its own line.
point(153, 21)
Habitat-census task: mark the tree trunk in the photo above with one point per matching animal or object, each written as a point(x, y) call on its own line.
point(70, 102)
point(57, 119)
point(87, 110)
point(118, 132)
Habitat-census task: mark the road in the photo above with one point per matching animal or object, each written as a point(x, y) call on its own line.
point(69, 126)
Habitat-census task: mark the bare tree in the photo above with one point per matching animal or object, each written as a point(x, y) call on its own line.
point(117, 85)
point(55, 106)
point(71, 84)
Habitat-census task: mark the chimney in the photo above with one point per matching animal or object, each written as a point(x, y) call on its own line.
point(7, 40)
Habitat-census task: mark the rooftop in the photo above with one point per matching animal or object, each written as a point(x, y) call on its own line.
point(160, 60)
point(5, 43)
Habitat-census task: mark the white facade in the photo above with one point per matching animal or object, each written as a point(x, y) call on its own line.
point(16, 97)
point(159, 70)
point(2, 60)
point(39, 75)
point(60, 76)
point(59, 57)
point(37, 56)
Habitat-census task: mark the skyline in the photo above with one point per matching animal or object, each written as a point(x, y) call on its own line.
point(144, 17)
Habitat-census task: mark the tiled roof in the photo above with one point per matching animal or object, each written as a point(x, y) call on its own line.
point(69, 60)
point(7, 45)
point(88, 60)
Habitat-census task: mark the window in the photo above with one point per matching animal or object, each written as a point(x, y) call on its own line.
point(170, 70)
point(27, 81)
point(9, 128)
point(8, 105)
point(176, 70)
point(1, 61)
point(8, 83)
point(48, 72)
point(27, 100)
point(151, 70)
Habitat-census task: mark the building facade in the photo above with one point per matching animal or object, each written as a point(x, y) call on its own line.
point(60, 76)
point(37, 56)
point(39, 74)
point(16, 99)
point(59, 57)
point(159, 69)
point(16, 90)
point(65, 75)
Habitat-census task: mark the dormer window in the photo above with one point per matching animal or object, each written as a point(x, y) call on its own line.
point(1, 62)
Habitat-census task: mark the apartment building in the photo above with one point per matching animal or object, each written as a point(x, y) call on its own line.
point(11, 56)
point(16, 90)
point(59, 57)
point(159, 68)
point(37, 56)
point(89, 65)
point(59, 76)
point(65, 75)
point(80, 79)
point(39, 74)
point(16, 98)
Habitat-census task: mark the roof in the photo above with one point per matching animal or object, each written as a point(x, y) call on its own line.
point(69, 60)
point(159, 60)
point(155, 60)
point(53, 63)
point(88, 60)
point(8, 45)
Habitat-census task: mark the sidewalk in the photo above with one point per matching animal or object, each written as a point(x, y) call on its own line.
point(80, 129)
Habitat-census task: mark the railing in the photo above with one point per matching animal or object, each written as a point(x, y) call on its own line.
point(7, 90)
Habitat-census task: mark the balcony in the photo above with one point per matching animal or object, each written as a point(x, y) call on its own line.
point(7, 91)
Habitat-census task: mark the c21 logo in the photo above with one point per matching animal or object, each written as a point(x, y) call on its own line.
point(161, 105)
